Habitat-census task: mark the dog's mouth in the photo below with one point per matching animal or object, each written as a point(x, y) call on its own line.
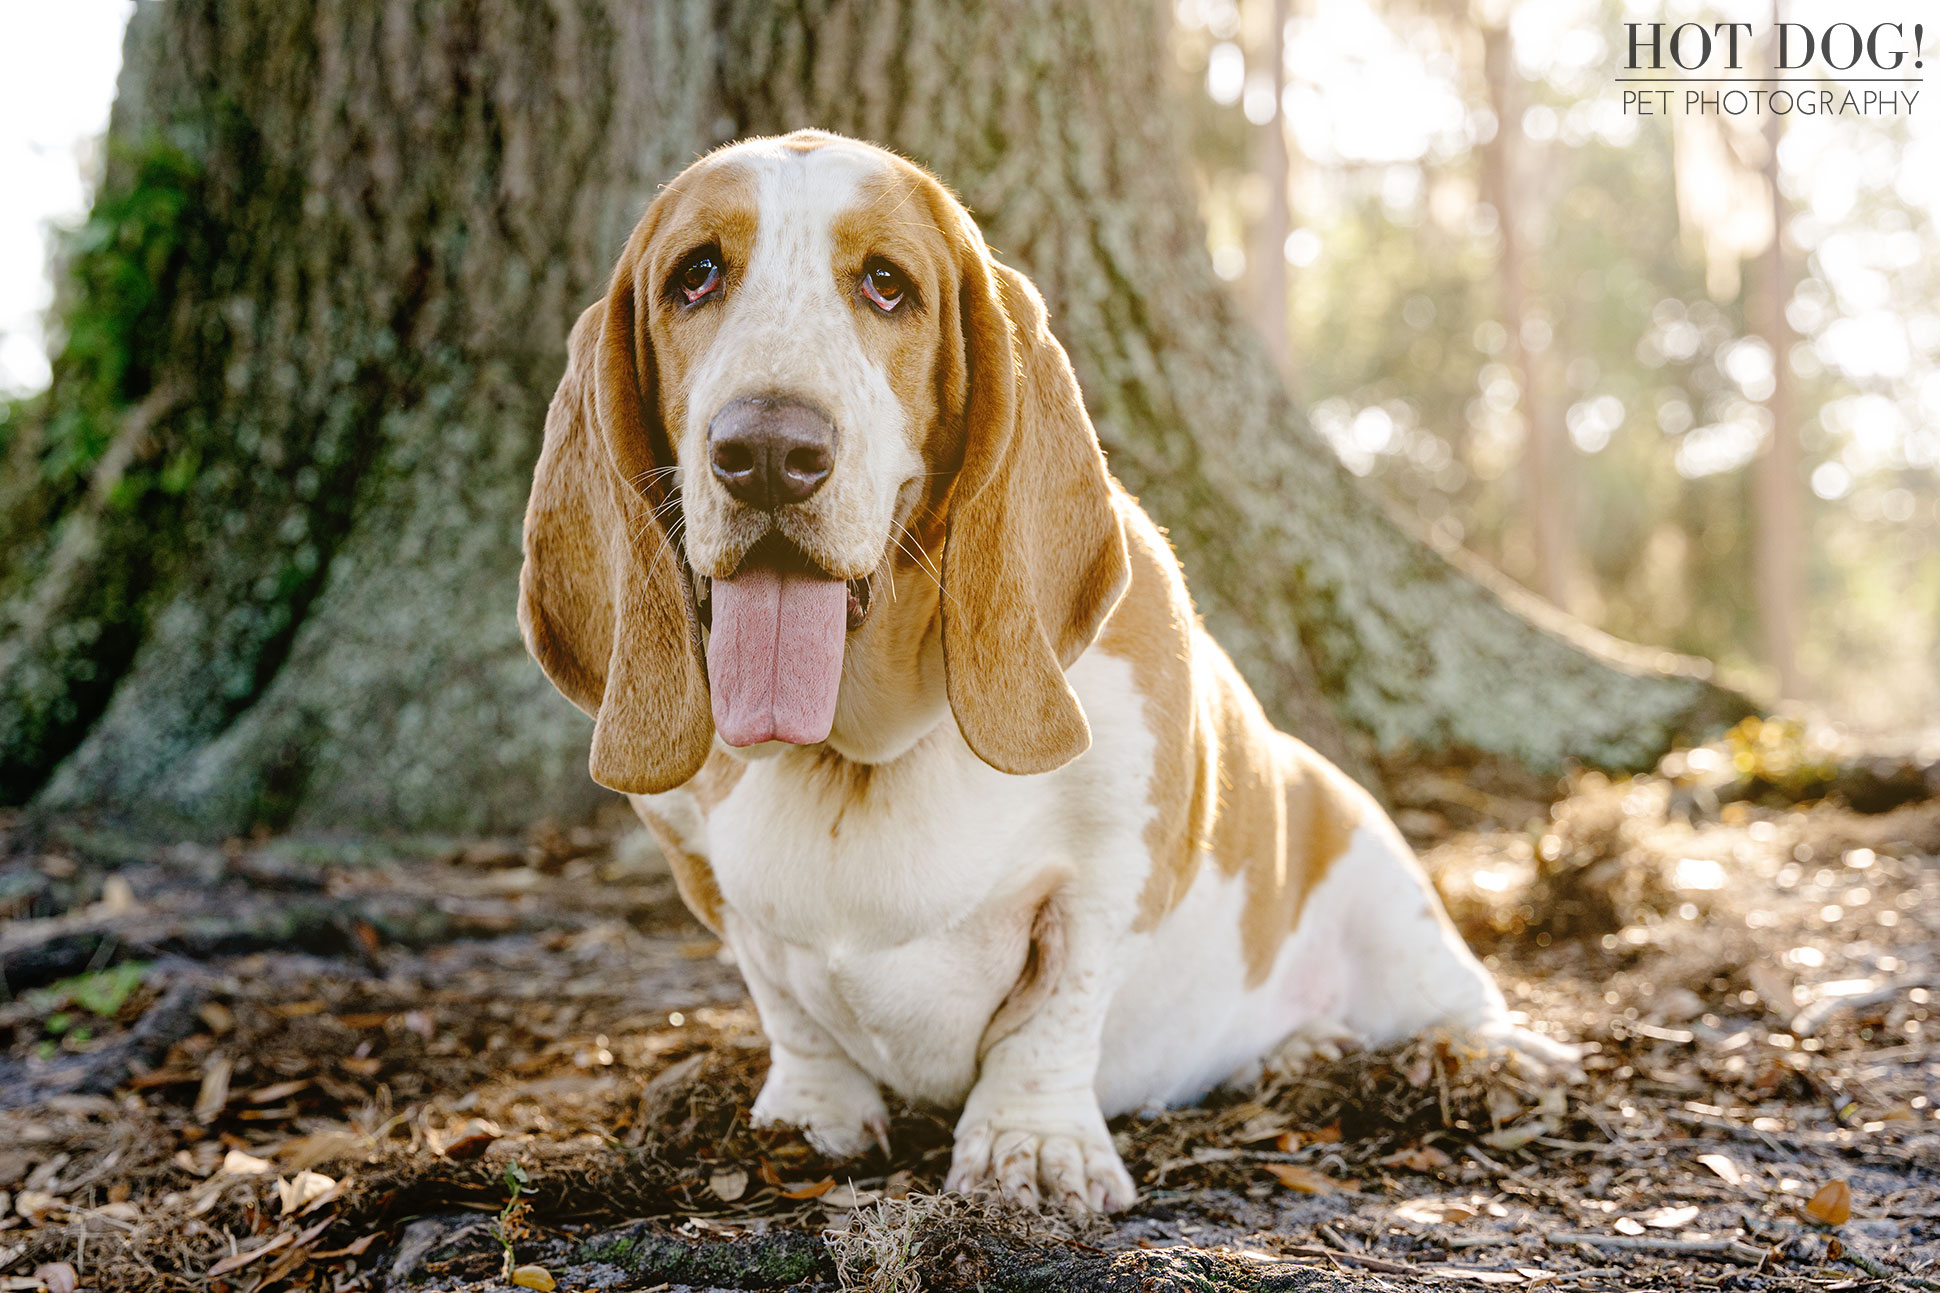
point(777, 630)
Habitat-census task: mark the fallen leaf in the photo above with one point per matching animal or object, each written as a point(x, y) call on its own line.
point(349, 1250)
point(534, 1277)
point(1422, 1158)
point(847, 1196)
point(1832, 1205)
point(1726, 1170)
point(302, 1189)
point(1518, 1136)
point(728, 1184)
point(237, 1163)
point(214, 1095)
point(1629, 1226)
point(1303, 1179)
point(299, 1009)
point(35, 1206)
point(243, 1259)
point(1431, 1212)
point(276, 1091)
point(809, 1189)
point(57, 1277)
point(1671, 1218)
point(467, 1140)
point(899, 1185)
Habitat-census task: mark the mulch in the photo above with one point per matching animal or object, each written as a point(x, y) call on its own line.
point(361, 1064)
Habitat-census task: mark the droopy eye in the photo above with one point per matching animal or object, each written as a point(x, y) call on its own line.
point(699, 275)
point(884, 285)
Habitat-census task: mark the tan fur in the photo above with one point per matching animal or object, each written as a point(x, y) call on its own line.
point(693, 878)
point(1224, 782)
point(1035, 559)
point(1043, 963)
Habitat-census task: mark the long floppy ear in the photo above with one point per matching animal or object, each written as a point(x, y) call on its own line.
point(1034, 559)
point(603, 603)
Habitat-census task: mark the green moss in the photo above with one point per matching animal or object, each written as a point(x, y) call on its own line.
point(780, 1259)
point(113, 307)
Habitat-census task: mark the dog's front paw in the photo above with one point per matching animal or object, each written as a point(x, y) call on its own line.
point(1031, 1160)
point(834, 1103)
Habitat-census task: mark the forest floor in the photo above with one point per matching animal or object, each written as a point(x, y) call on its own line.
point(315, 1064)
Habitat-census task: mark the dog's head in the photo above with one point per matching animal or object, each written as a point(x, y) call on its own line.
point(806, 362)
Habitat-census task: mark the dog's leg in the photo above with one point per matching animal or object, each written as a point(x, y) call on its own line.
point(1417, 974)
point(1032, 1127)
point(812, 1083)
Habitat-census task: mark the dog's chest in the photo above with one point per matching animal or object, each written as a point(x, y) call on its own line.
point(895, 905)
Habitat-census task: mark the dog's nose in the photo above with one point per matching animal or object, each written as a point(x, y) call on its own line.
point(771, 450)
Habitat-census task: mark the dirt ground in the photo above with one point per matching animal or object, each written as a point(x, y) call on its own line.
point(368, 1064)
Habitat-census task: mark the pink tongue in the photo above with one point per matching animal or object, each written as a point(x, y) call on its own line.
point(774, 661)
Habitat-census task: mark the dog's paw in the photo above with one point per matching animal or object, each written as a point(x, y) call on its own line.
point(1073, 1167)
point(834, 1104)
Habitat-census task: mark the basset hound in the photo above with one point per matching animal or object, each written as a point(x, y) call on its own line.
point(914, 699)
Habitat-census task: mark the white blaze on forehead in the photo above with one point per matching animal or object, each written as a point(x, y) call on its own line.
point(791, 329)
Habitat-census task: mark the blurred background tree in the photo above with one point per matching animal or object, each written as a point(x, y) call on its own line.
point(1565, 339)
point(261, 530)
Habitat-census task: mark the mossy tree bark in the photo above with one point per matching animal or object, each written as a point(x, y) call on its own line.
point(262, 533)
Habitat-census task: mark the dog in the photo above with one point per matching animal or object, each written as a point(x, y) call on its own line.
point(913, 697)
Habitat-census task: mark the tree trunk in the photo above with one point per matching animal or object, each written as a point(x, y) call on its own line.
point(1545, 465)
point(1267, 267)
point(1779, 520)
point(262, 534)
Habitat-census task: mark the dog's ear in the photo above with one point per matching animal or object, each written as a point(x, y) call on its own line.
point(1034, 558)
point(603, 602)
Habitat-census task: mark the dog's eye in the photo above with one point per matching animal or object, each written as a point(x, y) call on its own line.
point(699, 275)
point(884, 285)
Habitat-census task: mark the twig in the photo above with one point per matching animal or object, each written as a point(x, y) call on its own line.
point(1879, 1272)
point(1728, 1249)
point(1382, 1264)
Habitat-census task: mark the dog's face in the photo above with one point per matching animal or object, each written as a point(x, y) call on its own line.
point(806, 353)
point(803, 289)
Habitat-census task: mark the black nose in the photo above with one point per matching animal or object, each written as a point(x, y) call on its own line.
point(770, 450)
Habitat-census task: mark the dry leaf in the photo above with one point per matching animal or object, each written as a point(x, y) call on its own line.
point(1832, 1205)
point(729, 1184)
point(214, 1094)
point(809, 1189)
point(467, 1140)
point(35, 1206)
point(243, 1259)
point(1517, 1137)
point(1629, 1226)
point(1430, 1212)
point(534, 1277)
point(1671, 1218)
point(1726, 1170)
point(237, 1163)
point(349, 1250)
point(57, 1277)
point(301, 1190)
point(277, 1090)
point(1422, 1158)
point(847, 1196)
point(1303, 1179)
point(899, 1185)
